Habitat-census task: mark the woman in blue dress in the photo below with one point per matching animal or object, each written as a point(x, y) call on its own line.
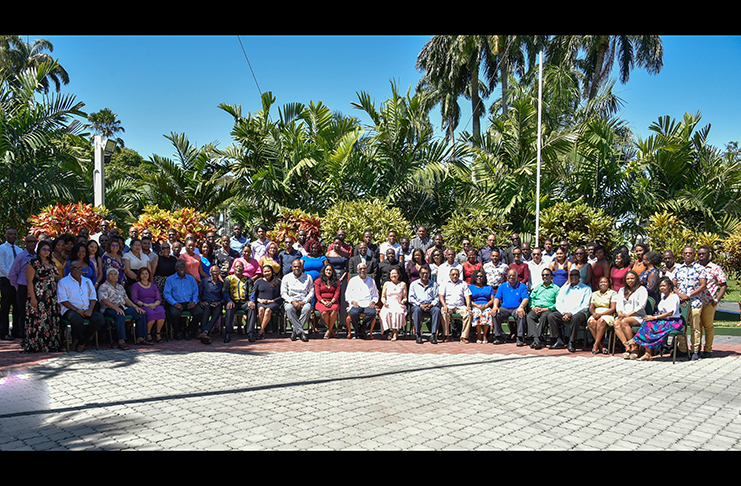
point(560, 267)
point(482, 301)
point(314, 260)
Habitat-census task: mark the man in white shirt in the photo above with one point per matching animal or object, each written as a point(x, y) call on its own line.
point(297, 290)
point(455, 297)
point(260, 245)
point(443, 273)
point(362, 295)
point(389, 243)
point(8, 252)
point(76, 296)
point(572, 307)
point(536, 266)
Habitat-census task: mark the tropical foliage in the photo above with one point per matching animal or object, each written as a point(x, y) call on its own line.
point(66, 218)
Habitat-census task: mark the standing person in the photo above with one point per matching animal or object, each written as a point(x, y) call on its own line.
point(373, 250)
point(690, 283)
point(638, 266)
point(192, 261)
point(211, 291)
point(669, 268)
point(415, 263)
point(42, 331)
point(362, 256)
point(548, 253)
point(164, 266)
point(486, 251)
point(496, 270)
point(287, 256)
point(600, 268)
point(207, 257)
point(224, 256)
point(238, 241)
point(146, 295)
point(443, 273)
point(439, 245)
point(536, 266)
point(267, 298)
point(17, 277)
point(113, 258)
point(424, 296)
point(521, 267)
point(394, 299)
point(8, 253)
point(650, 276)
point(272, 258)
point(516, 243)
point(715, 289)
point(114, 303)
point(77, 298)
point(93, 249)
point(420, 241)
point(314, 261)
point(582, 264)
point(250, 266)
point(361, 295)
point(238, 290)
point(462, 256)
point(385, 267)
point(389, 243)
point(260, 245)
point(471, 265)
point(181, 292)
point(297, 291)
point(510, 300)
point(134, 259)
point(619, 268)
point(339, 245)
point(406, 252)
point(455, 297)
point(300, 245)
point(560, 266)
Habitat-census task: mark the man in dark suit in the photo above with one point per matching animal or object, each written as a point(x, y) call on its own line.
point(363, 256)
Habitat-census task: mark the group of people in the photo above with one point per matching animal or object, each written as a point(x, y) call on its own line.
point(543, 290)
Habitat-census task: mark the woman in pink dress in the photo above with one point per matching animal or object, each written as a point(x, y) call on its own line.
point(394, 298)
point(620, 267)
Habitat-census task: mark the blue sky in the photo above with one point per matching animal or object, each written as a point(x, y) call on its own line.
point(162, 84)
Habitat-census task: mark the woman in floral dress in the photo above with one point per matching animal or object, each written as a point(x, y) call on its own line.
point(42, 311)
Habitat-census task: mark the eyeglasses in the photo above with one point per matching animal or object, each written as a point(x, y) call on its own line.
point(74, 269)
point(44, 249)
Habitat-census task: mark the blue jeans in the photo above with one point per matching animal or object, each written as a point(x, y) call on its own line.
point(119, 322)
point(417, 314)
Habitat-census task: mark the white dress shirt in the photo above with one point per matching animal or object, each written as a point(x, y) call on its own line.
point(7, 257)
point(362, 291)
point(294, 289)
point(79, 294)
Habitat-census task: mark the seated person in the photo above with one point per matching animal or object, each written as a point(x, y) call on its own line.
point(510, 300)
point(455, 297)
point(116, 304)
point(181, 292)
point(424, 296)
point(362, 296)
point(238, 290)
point(77, 299)
point(297, 292)
point(542, 303)
point(602, 309)
point(572, 306)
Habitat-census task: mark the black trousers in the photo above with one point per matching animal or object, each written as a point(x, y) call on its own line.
point(556, 324)
point(76, 321)
point(21, 295)
point(174, 315)
point(8, 300)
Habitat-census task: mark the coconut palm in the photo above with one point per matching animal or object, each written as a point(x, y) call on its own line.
point(106, 124)
point(17, 55)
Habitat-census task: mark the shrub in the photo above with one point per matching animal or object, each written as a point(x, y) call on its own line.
point(357, 216)
point(476, 225)
point(578, 223)
point(67, 218)
point(184, 220)
point(291, 221)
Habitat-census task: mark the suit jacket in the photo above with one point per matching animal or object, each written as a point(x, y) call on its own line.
point(354, 261)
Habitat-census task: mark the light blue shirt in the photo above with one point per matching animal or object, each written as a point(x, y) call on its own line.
point(421, 295)
point(180, 290)
point(238, 243)
point(573, 298)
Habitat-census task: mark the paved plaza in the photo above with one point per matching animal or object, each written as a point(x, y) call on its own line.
point(376, 395)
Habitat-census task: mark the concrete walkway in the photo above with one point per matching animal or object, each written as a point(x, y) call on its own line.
point(337, 394)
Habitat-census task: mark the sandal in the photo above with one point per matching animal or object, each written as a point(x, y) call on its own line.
point(158, 336)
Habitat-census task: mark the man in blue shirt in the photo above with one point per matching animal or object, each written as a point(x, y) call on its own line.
point(572, 308)
point(424, 296)
point(181, 292)
point(287, 256)
point(237, 240)
point(510, 300)
point(491, 245)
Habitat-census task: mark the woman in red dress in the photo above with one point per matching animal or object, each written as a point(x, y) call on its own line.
point(327, 292)
point(471, 264)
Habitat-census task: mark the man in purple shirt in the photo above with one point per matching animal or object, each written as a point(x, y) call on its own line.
point(17, 277)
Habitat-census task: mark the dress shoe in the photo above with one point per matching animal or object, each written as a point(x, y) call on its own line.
point(187, 335)
point(179, 336)
point(419, 340)
point(557, 345)
point(433, 339)
point(204, 338)
point(8, 338)
point(706, 354)
point(498, 340)
point(227, 337)
point(293, 336)
point(520, 342)
point(537, 345)
point(251, 337)
point(571, 347)
point(304, 337)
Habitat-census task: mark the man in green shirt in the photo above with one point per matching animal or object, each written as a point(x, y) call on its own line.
point(542, 303)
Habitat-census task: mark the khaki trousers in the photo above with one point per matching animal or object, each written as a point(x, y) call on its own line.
point(693, 324)
point(707, 319)
point(466, 317)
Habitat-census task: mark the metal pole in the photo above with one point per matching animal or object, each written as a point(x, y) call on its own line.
point(537, 184)
point(99, 171)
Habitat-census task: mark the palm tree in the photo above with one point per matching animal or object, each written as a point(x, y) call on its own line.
point(516, 54)
point(601, 52)
point(17, 55)
point(105, 124)
point(39, 147)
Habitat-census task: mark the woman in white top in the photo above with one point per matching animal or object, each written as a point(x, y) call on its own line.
point(631, 309)
point(667, 318)
point(134, 260)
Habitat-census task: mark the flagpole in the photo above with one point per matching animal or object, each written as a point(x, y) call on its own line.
point(537, 184)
